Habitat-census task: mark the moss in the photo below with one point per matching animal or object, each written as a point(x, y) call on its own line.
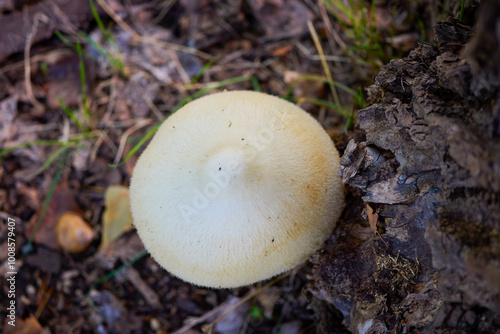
point(396, 273)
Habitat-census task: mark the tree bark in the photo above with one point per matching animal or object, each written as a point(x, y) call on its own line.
point(428, 163)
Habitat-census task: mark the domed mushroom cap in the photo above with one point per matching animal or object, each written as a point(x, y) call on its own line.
point(236, 187)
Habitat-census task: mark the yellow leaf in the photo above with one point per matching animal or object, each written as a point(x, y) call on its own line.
point(117, 218)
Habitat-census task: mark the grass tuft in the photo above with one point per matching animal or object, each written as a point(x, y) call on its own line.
point(359, 24)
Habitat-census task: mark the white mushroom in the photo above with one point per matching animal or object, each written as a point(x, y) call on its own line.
point(236, 187)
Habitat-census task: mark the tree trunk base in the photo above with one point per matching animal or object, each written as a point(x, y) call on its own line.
point(428, 163)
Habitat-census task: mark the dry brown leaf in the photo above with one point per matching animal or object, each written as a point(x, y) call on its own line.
point(24, 326)
point(281, 51)
point(372, 220)
point(62, 201)
point(281, 18)
point(235, 319)
point(64, 81)
point(372, 217)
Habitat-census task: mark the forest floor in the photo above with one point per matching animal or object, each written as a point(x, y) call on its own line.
point(80, 89)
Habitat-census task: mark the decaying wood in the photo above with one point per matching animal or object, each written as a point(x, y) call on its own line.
point(429, 164)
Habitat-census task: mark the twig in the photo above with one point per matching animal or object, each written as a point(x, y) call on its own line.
point(331, 58)
point(123, 140)
point(328, 24)
point(249, 296)
point(27, 64)
point(102, 136)
point(213, 312)
point(153, 107)
point(182, 72)
point(45, 296)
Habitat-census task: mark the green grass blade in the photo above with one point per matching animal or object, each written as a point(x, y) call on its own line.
point(204, 68)
point(289, 92)
point(98, 20)
point(32, 143)
point(115, 62)
point(461, 13)
point(52, 157)
point(148, 135)
point(330, 105)
point(359, 98)
point(182, 103)
point(255, 84)
point(83, 82)
point(63, 39)
point(114, 272)
point(72, 116)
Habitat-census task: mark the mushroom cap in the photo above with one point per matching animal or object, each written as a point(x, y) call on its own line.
point(236, 187)
point(73, 233)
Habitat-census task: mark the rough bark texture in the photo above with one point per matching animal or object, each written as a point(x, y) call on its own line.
point(428, 162)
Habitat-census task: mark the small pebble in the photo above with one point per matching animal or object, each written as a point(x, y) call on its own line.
point(30, 290)
point(155, 324)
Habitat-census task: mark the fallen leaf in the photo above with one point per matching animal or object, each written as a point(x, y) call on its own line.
point(281, 51)
point(372, 217)
point(30, 195)
point(24, 326)
point(47, 260)
point(64, 81)
point(233, 313)
point(280, 18)
point(372, 220)
point(62, 201)
point(117, 218)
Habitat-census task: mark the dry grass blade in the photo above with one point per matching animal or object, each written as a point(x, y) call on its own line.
point(39, 17)
point(250, 295)
point(123, 140)
point(323, 61)
point(208, 328)
point(44, 295)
